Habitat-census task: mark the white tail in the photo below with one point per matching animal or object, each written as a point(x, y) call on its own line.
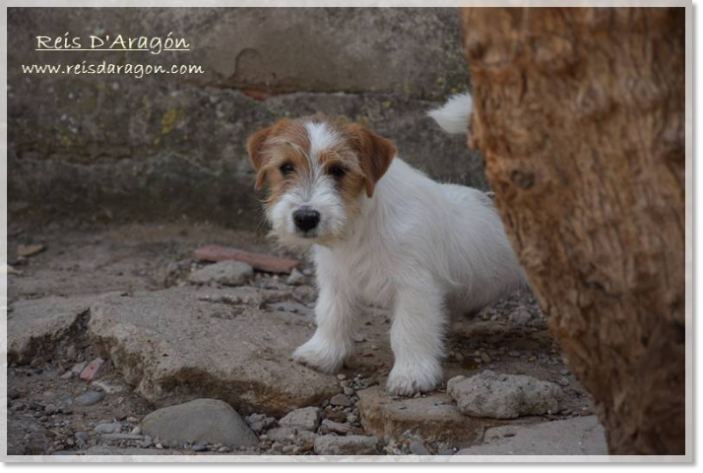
point(454, 115)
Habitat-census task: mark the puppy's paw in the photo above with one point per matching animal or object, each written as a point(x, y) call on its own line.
point(320, 356)
point(408, 380)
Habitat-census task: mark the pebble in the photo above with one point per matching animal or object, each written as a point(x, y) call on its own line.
point(418, 448)
point(341, 376)
point(81, 436)
point(198, 447)
point(111, 428)
point(307, 418)
point(136, 431)
point(563, 381)
point(349, 392)
point(90, 397)
point(336, 427)
point(50, 409)
point(296, 278)
point(340, 400)
point(485, 358)
point(514, 354)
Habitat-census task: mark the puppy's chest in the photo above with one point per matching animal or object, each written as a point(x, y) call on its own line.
point(367, 275)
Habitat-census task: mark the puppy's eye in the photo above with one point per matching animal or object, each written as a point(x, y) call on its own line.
point(286, 169)
point(336, 171)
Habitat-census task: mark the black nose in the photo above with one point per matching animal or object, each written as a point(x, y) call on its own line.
point(306, 218)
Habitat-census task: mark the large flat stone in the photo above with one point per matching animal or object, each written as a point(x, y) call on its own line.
point(432, 418)
point(35, 327)
point(185, 343)
point(576, 436)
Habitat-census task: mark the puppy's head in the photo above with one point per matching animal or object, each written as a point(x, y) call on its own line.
point(317, 171)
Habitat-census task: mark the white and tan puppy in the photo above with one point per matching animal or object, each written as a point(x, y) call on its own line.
point(381, 233)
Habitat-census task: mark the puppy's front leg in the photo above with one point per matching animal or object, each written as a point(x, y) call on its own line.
point(417, 338)
point(332, 341)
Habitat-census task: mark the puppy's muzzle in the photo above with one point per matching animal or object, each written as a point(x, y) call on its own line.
point(306, 219)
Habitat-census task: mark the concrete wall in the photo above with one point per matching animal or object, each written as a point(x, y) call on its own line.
point(114, 147)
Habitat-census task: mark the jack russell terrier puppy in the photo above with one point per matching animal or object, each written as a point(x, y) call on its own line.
point(381, 233)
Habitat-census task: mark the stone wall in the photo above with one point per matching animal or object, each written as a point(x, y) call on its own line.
point(163, 147)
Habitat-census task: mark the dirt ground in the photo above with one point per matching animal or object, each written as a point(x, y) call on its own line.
point(44, 416)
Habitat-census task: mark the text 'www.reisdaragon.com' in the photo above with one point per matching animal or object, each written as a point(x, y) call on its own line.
point(137, 70)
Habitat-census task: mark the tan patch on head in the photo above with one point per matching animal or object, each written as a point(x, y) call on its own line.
point(362, 155)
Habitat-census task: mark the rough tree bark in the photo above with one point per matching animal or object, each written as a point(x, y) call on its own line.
point(579, 113)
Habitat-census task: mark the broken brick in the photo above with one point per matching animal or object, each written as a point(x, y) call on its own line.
point(262, 262)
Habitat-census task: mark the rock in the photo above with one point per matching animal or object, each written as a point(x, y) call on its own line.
point(349, 445)
point(92, 371)
point(81, 436)
point(575, 436)
point(520, 316)
point(418, 448)
point(307, 418)
point(225, 273)
point(336, 427)
point(260, 422)
point(170, 340)
point(262, 262)
point(50, 409)
point(290, 434)
point(563, 381)
point(112, 428)
point(90, 397)
point(296, 278)
point(434, 418)
point(502, 396)
point(341, 400)
point(78, 368)
point(199, 447)
point(199, 421)
point(36, 326)
point(29, 250)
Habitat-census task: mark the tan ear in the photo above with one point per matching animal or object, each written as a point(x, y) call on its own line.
point(255, 146)
point(375, 155)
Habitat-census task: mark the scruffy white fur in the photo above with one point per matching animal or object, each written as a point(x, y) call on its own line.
point(417, 247)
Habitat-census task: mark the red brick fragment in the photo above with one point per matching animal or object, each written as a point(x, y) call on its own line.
point(91, 371)
point(262, 262)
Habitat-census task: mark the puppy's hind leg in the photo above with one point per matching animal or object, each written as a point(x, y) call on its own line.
point(332, 341)
point(417, 338)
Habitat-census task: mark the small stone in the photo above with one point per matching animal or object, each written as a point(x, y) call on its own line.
point(50, 409)
point(502, 396)
point(564, 372)
point(159, 446)
point(418, 448)
point(79, 367)
point(341, 376)
point(81, 436)
point(514, 354)
point(29, 250)
point(112, 428)
point(199, 447)
point(136, 431)
point(485, 358)
point(260, 422)
point(336, 427)
point(71, 352)
point(226, 273)
point(349, 445)
point(520, 317)
point(296, 278)
point(90, 397)
point(349, 392)
point(340, 400)
point(563, 381)
point(307, 418)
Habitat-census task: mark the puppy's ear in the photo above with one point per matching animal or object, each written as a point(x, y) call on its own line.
point(255, 146)
point(375, 155)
